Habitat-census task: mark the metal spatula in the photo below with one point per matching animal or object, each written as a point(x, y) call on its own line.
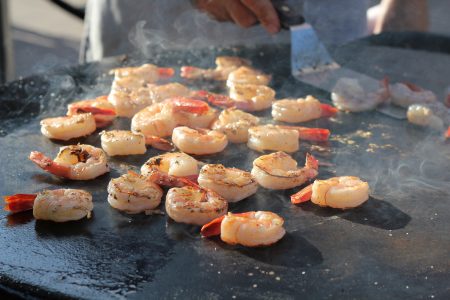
point(310, 61)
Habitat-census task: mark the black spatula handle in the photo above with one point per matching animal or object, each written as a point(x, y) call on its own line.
point(290, 12)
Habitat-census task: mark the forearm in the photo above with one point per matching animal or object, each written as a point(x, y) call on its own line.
point(403, 15)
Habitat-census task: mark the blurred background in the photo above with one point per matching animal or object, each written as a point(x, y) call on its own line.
point(46, 36)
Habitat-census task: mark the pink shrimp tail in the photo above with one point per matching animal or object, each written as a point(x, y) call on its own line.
point(212, 228)
point(166, 72)
point(328, 110)
point(189, 105)
point(314, 134)
point(159, 143)
point(303, 195)
point(215, 99)
point(311, 162)
point(171, 181)
point(48, 165)
point(447, 134)
point(19, 202)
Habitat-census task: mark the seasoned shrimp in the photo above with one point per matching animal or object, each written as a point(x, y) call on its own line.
point(191, 112)
point(349, 94)
point(143, 74)
point(199, 141)
point(230, 183)
point(69, 127)
point(235, 124)
point(194, 205)
point(301, 110)
point(174, 165)
point(133, 193)
point(338, 192)
point(159, 93)
point(422, 115)
point(283, 138)
point(122, 142)
point(154, 120)
point(406, 94)
point(225, 65)
point(76, 162)
point(250, 229)
point(102, 110)
point(128, 100)
point(247, 75)
point(60, 205)
point(279, 171)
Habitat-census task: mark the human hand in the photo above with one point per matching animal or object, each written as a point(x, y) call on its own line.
point(245, 13)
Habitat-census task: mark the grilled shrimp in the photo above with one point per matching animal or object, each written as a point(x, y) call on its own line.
point(69, 127)
point(225, 65)
point(146, 73)
point(350, 95)
point(171, 166)
point(422, 115)
point(159, 93)
point(338, 192)
point(230, 183)
point(102, 110)
point(122, 142)
point(191, 112)
point(199, 141)
point(247, 75)
point(128, 99)
point(60, 205)
point(250, 229)
point(283, 138)
point(301, 110)
point(194, 205)
point(133, 193)
point(279, 171)
point(76, 162)
point(154, 120)
point(406, 94)
point(235, 124)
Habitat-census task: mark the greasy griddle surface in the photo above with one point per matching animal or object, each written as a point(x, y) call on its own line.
point(395, 245)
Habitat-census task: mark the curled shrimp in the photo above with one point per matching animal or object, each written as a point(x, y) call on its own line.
point(68, 127)
point(191, 112)
point(235, 124)
point(230, 183)
point(247, 75)
point(168, 168)
point(102, 110)
point(76, 162)
point(133, 193)
point(338, 192)
point(279, 171)
point(122, 142)
point(60, 205)
point(159, 93)
point(194, 205)
point(224, 66)
point(128, 100)
point(250, 229)
point(406, 94)
point(283, 138)
point(146, 73)
point(352, 95)
point(199, 141)
point(301, 110)
point(154, 120)
point(422, 115)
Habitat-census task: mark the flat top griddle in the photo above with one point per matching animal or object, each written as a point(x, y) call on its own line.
point(394, 246)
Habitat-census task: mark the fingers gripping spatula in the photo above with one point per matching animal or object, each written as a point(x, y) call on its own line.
point(310, 60)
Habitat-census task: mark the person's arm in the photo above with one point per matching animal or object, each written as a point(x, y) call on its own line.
point(399, 15)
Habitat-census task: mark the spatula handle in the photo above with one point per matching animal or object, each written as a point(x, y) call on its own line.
point(290, 12)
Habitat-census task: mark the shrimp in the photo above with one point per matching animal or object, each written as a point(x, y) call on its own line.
point(133, 193)
point(191, 112)
point(351, 95)
point(422, 115)
point(235, 124)
point(154, 120)
point(194, 205)
point(59, 205)
point(76, 162)
point(249, 229)
point(230, 183)
point(171, 166)
point(128, 100)
point(225, 65)
point(247, 75)
point(122, 142)
point(102, 110)
point(146, 73)
point(301, 110)
point(338, 192)
point(406, 94)
point(199, 141)
point(283, 138)
point(69, 127)
point(279, 171)
point(159, 93)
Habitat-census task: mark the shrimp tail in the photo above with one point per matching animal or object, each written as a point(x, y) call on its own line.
point(314, 134)
point(191, 72)
point(303, 195)
point(215, 99)
point(169, 180)
point(19, 202)
point(328, 110)
point(212, 228)
point(166, 72)
point(189, 105)
point(447, 134)
point(94, 110)
point(159, 143)
point(48, 165)
point(311, 162)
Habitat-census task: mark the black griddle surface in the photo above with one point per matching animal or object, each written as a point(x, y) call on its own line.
point(394, 246)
